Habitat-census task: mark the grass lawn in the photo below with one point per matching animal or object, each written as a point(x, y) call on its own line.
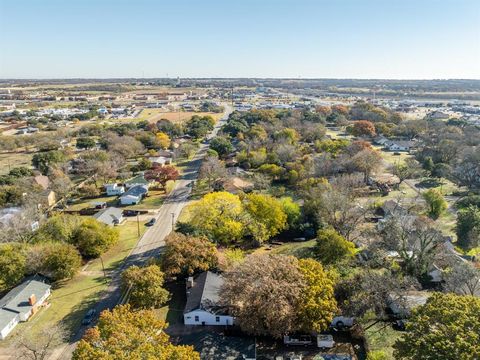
point(381, 336)
point(70, 300)
point(86, 203)
point(172, 312)
point(178, 117)
point(299, 249)
point(11, 160)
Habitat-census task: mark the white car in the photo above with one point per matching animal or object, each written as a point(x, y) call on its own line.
point(342, 322)
point(325, 341)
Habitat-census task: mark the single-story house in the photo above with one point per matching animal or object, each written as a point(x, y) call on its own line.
point(163, 158)
point(137, 180)
point(134, 195)
point(20, 303)
point(110, 216)
point(114, 189)
point(202, 307)
point(402, 305)
point(399, 145)
point(236, 185)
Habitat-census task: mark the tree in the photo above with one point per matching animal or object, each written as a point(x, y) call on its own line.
point(446, 327)
point(59, 261)
point(163, 140)
point(162, 174)
point(218, 216)
point(13, 265)
point(199, 126)
point(186, 255)
point(317, 305)
point(435, 202)
point(272, 170)
point(123, 334)
point(331, 247)
point(267, 217)
point(43, 160)
point(293, 212)
point(463, 279)
point(409, 169)
point(93, 238)
point(263, 294)
point(212, 170)
point(42, 345)
point(85, 143)
point(221, 145)
point(468, 227)
point(366, 161)
point(58, 228)
point(146, 286)
point(363, 128)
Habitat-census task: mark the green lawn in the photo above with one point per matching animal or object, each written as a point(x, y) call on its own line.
point(299, 249)
point(381, 336)
point(11, 160)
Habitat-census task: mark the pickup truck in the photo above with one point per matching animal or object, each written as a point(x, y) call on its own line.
point(323, 341)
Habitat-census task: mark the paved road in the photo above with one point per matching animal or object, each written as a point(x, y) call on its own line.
point(152, 242)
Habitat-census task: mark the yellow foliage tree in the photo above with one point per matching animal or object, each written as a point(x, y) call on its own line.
point(163, 140)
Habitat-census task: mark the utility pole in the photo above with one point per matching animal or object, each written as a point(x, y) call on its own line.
point(138, 225)
point(173, 221)
point(103, 268)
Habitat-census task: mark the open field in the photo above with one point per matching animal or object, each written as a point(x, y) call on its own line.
point(299, 249)
point(11, 160)
point(177, 117)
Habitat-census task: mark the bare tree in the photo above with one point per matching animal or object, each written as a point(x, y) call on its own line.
point(212, 170)
point(463, 279)
point(41, 346)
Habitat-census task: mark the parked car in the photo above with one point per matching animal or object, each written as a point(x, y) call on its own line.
point(151, 222)
point(341, 322)
point(129, 213)
point(304, 340)
point(325, 341)
point(89, 316)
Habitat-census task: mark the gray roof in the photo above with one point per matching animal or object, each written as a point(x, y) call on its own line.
point(109, 216)
point(140, 179)
point(6, 316)
point(205, 292)
point(137, 190)
point(16, 300)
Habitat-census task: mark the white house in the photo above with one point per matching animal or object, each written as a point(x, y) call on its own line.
point(110, 216)
point(114, 189)
point(134, 195)
point(399, 145)
point(203, 306)
point(20, 303)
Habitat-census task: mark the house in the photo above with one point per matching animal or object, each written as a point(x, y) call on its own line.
point(402, 305)
point(110, 216)
point(137, 180)
point(162, 158)
point(114, 189)
point(236, 185)
point(20, 303)
point(399, 145)
point(134, 195)
point(203, 306)
point(380, 140)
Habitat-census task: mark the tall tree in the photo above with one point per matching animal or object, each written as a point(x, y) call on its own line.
point(123, 334)
point(446, 327)
point(435, 202)
point(331, 247)
point(13, 265)
point(468, 227)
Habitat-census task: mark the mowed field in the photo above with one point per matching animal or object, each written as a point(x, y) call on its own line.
point(177, 117)
point(11, 160)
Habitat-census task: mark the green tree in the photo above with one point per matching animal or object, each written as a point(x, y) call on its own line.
point(60, 261)
point(85, 143)
point(13, 265)
point(332, 247)
point(58, 228)
point(267, 217)
point(435, 202)
point(185, 255)
point(44, 160)
point(146, 286)
point(218, 216)
point(446, 327)
point(93, 238)
point(123, 334)
point(468, 227)
point(221, 145)
point(292, 210)
point(317, 305)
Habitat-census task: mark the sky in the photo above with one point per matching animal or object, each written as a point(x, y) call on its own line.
point(380, 39)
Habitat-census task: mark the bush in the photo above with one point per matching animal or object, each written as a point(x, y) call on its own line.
point(92, 238)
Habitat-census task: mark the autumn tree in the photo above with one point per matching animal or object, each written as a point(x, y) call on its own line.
point(366, 162)
point(317, 305)
point(446, 327)
point(186, 255)
point(93, 238)
point(331, 247)
point(123, 334)
point(435, 202)
point(163, 140)
point(42, 345)
point(58, 261)
point(218, 216)
point(363, 128)
point(267, 217)
point(269, 307)
point(409, 169)
point(162, 174)
point(13, 265)
point(58, 228)
point(212, 171)
point(146, 286)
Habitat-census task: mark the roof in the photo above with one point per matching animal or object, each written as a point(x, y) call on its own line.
point(401, 143)
point(137, 190)
point(109, 216)
point(140, 179)
point(204, 294)
point(16, 300)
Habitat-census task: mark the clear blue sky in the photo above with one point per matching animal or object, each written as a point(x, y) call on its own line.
point(402, 39)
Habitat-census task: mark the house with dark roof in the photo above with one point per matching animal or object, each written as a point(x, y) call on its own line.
point(203, 301)
point(134, 195)
point(110, 216)
point(20, 303)
point(137, 180)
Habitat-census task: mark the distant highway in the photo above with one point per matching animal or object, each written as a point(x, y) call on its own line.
point(153, 240)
